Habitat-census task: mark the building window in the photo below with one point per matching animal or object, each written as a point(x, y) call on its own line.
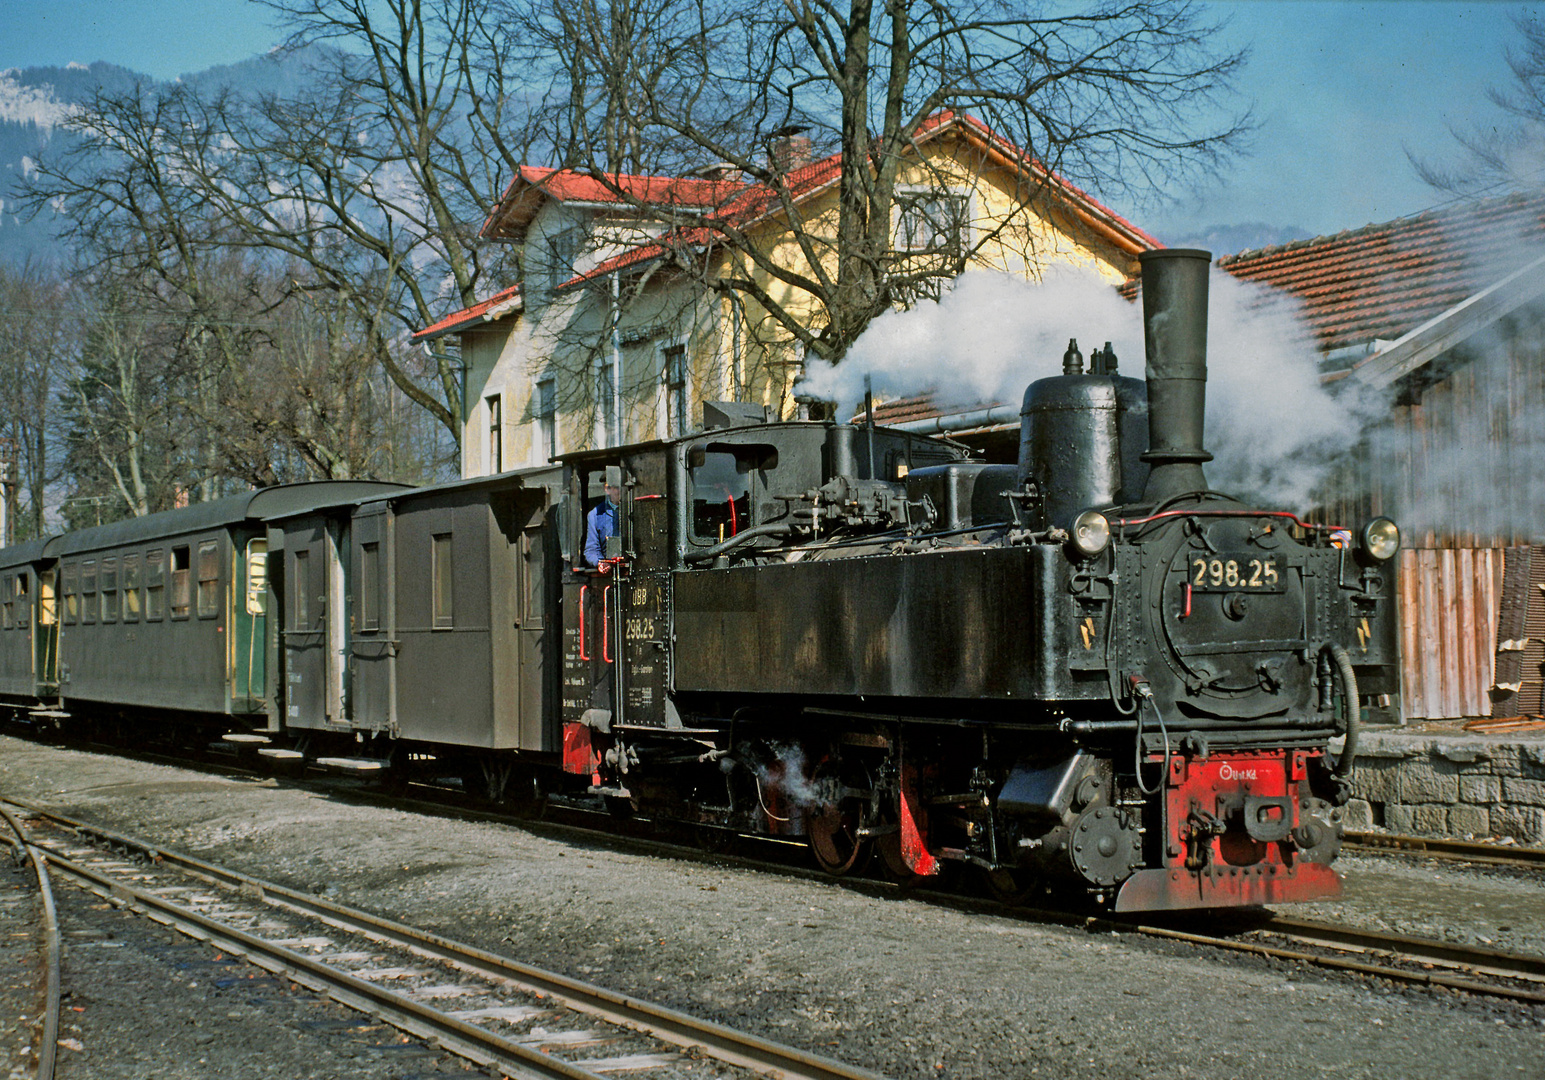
point(109, 590)
point(208, 579)
point(88, 591)
point(544, 405)
point(155, 585)
point(181, 590)
point(131, 587)
point(673, 385)
point(443, 577)
point(932, 222)
point(257, 577)
point(301, 620)
point(495, 405)
point(70, 584)
point(562, 256)
point(370, 586)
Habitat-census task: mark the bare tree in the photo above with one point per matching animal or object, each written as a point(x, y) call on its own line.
point(368, 183)
point(1502, 157)
point(37, 338)
point(1118, 97)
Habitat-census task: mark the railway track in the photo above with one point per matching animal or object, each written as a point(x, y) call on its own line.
point(1514, 977)
point(48, 1026)
point(1455, 850)
point(493, 1011)
point(1519, 978)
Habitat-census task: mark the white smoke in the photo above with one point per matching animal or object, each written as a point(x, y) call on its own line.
point(1274, 428)
point(1475, 461)
point(983, 341)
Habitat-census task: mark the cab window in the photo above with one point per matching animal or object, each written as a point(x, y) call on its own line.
point(723, 478)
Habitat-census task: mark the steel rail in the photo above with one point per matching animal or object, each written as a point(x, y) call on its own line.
point(48, 1039)
point(1442, 848)
point(1523, 966)
point(716, 1040)
point(1334, 963)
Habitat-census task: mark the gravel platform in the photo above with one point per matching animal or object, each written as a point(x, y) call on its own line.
point(906, 987)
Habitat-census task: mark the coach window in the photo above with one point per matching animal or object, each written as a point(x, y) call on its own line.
point(257, 577)
point(110, 590)
point(23, 601)
point(131, 586)
point(71, 583)
point(531, 550)
point(370, 586)
point(181, 589)
point(208, 579)
point(88, 591)
point(8, 590)
point(302, 605)
point(444, 567)
point(155, 585)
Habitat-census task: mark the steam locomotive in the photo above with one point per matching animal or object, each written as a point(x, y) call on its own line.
point(1086, 671)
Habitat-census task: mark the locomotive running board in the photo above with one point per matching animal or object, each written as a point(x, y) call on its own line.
point(1228, 886)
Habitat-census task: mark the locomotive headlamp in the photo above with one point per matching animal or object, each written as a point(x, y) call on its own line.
point(1091, 532)
point(1381, 538)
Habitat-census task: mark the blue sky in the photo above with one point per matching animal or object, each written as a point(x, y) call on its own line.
point(1342, 90)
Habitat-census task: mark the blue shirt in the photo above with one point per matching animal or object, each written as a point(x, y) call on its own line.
point(600, 523)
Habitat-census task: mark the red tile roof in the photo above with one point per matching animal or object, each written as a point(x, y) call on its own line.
point(532, 185)
point(495, 306)
point(1382, 280)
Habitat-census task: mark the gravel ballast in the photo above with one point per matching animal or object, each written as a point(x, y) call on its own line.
point(906, 986)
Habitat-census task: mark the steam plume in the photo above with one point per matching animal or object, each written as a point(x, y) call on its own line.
point(1274, 428)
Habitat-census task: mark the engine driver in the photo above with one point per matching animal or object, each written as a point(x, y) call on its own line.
point(601, 523)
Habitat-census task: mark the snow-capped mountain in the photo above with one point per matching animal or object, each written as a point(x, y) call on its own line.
point(35, 102)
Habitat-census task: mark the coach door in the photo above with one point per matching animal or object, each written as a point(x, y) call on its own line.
point(369, 672)
point(537, 719)
point(316, 632)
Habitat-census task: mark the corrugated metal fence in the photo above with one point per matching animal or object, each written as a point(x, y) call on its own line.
point(1448, 628)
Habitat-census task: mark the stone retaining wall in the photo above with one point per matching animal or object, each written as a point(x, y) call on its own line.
point(1449, 785)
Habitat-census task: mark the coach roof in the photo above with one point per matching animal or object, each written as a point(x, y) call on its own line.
point(277, 501)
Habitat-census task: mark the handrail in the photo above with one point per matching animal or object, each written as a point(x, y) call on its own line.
point(606, 625)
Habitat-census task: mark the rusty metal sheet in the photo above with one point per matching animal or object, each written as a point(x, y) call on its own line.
point(1449, 599)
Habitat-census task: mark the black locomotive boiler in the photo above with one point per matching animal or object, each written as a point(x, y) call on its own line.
point(1086, 671)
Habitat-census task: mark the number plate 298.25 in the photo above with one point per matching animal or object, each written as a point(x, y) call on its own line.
point(1228, 573)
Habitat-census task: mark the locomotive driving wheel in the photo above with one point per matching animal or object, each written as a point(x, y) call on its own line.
point(835, 840)
point(1010, 885)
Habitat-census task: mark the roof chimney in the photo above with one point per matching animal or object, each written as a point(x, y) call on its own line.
point(789, 152)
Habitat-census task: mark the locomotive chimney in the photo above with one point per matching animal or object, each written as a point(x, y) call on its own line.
point(1175, 331)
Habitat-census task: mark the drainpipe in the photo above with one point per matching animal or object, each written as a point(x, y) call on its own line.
point(616, 425)
point(737, 375)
